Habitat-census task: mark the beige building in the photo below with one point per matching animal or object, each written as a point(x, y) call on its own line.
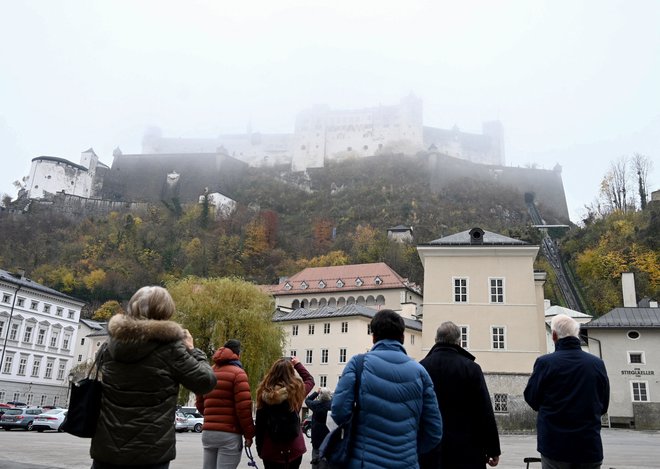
point(374, 285)
point(324, 339)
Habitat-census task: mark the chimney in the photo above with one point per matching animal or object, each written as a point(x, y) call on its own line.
point(476, 236)
point(628, 290)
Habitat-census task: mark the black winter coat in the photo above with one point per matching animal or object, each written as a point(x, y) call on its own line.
point(319, 417)
point(470, 433)
point(143, 365)
point(570, 390)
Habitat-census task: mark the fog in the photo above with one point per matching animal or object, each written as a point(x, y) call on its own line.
point(573, 82)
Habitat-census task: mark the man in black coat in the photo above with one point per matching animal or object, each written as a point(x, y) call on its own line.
point(470, 439)
point(570, 390)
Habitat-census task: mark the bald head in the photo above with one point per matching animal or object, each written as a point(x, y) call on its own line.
point(448, 333)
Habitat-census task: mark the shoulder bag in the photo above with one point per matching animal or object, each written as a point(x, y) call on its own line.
point(85, 402)
point(337, 445)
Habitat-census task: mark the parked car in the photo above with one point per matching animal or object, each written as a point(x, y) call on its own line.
point(49, 420)
point(307, 427)
point(19, 417)
point(17, 404)
point(195, 421)
point(181, 422)
point(4, 407)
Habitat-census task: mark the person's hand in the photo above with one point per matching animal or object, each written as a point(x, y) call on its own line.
point(248, 442)
point(294, 361)
point(188, 340)
point(493, 461)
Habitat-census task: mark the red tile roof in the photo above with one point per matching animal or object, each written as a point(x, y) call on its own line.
point(363, 277)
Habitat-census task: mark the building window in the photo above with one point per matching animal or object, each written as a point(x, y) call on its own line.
point(323, 381)
point(293, 353)
point(304, 285)
point(460, 290)
point(368, 329)
point(309, 356)
point(497, 290)
point(321, 284)
point(29, 399)
point(13, 331)
point(500, 402)
point(344, 327)
point(2, 396)
point(47, 309)
point(310, 329)
point(294, 330)
point(72, 314)
point(639, 391)
point(41, 337)
point(35, 367)
point(412, 339)
point(22, 364)
point(287, 286)
point(2, 327)
point(324, 355)
point(43, 400)
point(340, 283)
point(65, 341)
point(82, 341)
point(342, 355)
point(27, 335)
point(9, 361)
point(20, 302)
point(55, 400)
point(6, 298)
point(49, 370)
point(79, 358)
point(34, 305)
point(633, 335)
point(464, 336)
point(61, 370)
point(378, 281)
point(53, 339)
point(498, 337)
point(636, 358)
point(359, 282)
point(17, 396)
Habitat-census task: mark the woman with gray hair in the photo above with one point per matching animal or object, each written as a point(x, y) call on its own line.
point(147, 358)
point(319, 402)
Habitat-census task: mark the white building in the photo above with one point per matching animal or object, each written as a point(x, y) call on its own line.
point(38, 333)
point(49, 175)
point(324, 339)
point(91, 335)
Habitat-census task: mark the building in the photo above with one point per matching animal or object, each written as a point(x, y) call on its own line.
point(38, 333)
point(325, 338)
point(91, 335)
point(50, 175)
point(374, 285)
point(552, 311)
point(400, 233)
point(486, 284)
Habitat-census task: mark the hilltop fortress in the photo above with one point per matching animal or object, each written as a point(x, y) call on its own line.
point(177, 170)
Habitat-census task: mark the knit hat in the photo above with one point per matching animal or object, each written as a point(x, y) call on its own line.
point(234, 345)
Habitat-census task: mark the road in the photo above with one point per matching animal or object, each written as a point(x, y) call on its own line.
point(624, 449)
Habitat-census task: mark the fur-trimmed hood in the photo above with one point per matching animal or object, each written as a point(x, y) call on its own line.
point(133, 339)
point(276, 396)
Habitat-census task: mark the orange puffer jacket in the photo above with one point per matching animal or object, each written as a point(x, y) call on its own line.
point(228, 407)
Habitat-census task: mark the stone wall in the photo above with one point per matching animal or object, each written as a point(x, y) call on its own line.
point(647, 415)
point(518, 416)
point(81, 206)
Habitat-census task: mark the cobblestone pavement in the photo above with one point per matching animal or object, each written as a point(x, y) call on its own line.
point(624, 449)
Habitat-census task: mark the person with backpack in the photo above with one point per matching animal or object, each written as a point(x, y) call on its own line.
point(319, 402)
point(227, 411)
point(280, 395)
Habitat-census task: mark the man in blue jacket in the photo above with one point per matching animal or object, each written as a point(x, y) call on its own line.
point(570, 391)
point(399, 416)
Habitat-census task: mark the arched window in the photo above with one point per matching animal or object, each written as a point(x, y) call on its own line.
point(371, 300)
point(332, 302)
point(380, 300)
point(304, 303)
point(341, 301)
point(314, 303)
point(361, 301)
point(295, 304)
point(350, 300)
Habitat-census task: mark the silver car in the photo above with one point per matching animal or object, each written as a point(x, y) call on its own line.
point(19, 418)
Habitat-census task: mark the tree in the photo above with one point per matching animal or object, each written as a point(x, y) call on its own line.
point(642, 165)
point(218, 309)
point(107, 310)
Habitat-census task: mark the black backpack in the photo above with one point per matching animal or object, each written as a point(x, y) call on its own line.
point(282, 424)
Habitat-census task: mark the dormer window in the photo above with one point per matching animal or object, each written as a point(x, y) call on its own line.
point(340, 283)
point(378, 281)
point(303, 285)
point(287, 286)
point(321, 284)
point(359, 282)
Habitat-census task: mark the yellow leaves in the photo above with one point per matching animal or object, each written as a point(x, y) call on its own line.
point(107, 310)
point(94, 279)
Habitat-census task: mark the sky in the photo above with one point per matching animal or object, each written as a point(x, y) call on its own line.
point(575, 83)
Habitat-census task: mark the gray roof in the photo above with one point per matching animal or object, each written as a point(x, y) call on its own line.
point(464, 238)
point(96, 325)
point(626, 317)
point(25, 282)
point(327, 312)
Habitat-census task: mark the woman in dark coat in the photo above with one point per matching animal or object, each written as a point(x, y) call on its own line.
point(280, 395)
point(319, 402)
point(146, 360)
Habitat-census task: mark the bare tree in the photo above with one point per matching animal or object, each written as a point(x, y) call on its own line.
point(642, 165)
point(615, 186)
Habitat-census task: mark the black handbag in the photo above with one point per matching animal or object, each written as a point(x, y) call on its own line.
point(337, 445)
point(85, 402)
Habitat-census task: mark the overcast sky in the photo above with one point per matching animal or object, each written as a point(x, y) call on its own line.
point(573, 82)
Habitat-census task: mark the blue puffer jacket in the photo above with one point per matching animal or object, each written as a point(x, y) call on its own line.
point(399, 416)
